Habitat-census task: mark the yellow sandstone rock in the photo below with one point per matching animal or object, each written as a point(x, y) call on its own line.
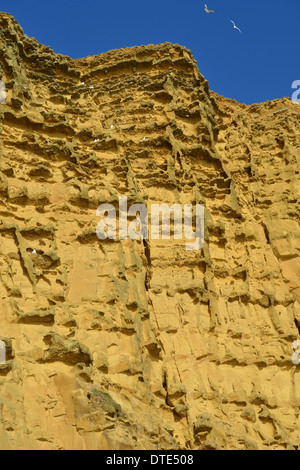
point(130, 344)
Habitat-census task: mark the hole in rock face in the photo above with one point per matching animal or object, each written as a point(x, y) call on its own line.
point(266, 234)
point(297, 323)
point(40, 172)
point(164, 384)
point(47, 340)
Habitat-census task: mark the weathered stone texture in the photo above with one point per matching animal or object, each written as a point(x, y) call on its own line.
point(144, 345)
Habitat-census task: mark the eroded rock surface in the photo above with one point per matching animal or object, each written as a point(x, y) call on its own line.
point(123, 344)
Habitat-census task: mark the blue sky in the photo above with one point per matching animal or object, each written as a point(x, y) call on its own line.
point(257, 65)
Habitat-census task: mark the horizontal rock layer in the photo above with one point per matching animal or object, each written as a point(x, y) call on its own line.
point(131, 344)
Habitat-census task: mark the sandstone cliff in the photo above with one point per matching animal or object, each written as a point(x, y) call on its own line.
point(144, 345)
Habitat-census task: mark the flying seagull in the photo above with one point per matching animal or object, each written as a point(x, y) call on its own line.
point(207, 10)
point(234, 26)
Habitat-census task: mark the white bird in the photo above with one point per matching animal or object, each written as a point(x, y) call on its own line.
point(207, 10)
point(111, 127)
point(82, 83)
point(97, 140)
point(33, 252)
point(234, 26)
point(92, 87)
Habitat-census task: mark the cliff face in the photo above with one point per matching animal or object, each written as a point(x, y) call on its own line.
point(123, 344)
